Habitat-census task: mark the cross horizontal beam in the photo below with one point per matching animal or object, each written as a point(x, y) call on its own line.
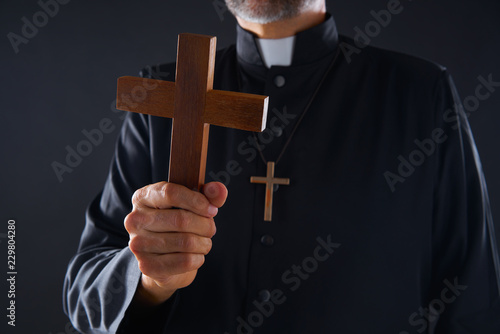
point(223, 108)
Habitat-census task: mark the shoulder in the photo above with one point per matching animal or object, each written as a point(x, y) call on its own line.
point(390, 64)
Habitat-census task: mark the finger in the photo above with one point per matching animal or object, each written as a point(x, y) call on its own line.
point(164, 243)
point(161, 266)
point(216, 193)
point(178, 220)
point(164, 195)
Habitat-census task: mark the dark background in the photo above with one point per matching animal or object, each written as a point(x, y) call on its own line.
point(64, 80)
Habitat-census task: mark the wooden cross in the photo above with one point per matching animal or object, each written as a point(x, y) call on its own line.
point(269, 181)
point(193, 105)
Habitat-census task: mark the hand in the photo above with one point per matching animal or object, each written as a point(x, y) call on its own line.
point(170, 230)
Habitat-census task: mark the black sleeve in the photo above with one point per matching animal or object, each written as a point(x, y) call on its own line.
point(465, 293)
point(102, 277)
point(148, 320)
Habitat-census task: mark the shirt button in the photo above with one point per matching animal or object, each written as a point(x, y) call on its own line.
point(267, 240)
point(278, 131)
point(279, 81)
point(264, 296)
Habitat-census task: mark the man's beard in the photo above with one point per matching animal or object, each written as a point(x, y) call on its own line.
point(267, 11)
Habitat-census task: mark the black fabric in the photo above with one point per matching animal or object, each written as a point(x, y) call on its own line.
point(146, 320)
point(358, 246)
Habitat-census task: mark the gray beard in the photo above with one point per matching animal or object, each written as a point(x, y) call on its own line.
point(267, 11)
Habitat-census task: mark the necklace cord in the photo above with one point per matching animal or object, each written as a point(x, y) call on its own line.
point(308, 106)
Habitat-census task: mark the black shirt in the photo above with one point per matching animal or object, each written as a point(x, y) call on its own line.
point(384, 228)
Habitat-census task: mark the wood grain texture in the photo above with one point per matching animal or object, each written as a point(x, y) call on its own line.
point(236, 110)
point(146, 96)
point(193, 105)
point(194, 77)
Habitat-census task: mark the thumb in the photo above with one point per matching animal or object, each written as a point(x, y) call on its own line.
point(216, 193)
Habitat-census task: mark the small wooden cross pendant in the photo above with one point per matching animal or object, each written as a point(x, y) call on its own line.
point(269, 181)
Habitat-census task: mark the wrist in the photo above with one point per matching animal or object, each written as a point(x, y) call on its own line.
point(150, 294)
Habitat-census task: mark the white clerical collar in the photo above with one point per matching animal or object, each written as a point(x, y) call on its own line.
point(276, 51)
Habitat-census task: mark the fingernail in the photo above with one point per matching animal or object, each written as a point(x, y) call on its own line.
point(212, 210)
point(210, 190)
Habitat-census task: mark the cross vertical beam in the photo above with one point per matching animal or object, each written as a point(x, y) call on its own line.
point(194, 78)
